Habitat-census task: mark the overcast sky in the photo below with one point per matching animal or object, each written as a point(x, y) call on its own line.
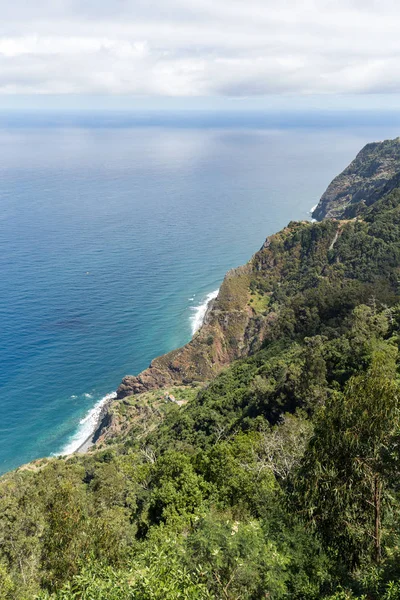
point(229, 49)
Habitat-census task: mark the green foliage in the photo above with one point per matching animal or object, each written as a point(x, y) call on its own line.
point(278, 479)
point(237, 559)
point(7, 586)
point(345, 464)
point(176, 490)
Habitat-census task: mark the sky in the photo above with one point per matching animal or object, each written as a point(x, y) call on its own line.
point(199, 53)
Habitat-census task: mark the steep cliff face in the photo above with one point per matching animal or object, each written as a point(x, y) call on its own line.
point(374, 172)
point(243, 314)
point(223, 337)
point(252, 298)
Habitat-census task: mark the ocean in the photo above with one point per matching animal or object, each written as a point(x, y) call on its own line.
point(115, 230)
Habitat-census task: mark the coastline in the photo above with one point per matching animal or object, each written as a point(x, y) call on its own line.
point(98, 414)
point(200, 311)
point(87, 426)
point(199, 316)
point(311, 213)
point(91, 439)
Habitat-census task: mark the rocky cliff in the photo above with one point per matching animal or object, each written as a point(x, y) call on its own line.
point(243, 314)
point(229, 331)
point(249, 303)
point(374, 172)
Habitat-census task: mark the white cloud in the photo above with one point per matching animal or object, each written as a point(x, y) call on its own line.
point(199, 47)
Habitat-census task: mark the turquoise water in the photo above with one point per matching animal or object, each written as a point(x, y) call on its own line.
point(114, 229)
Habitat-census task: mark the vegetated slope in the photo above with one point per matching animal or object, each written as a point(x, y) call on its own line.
point(372, 173)
point(237, 322)
point(304, 281)
point(256, 299)
point(277, 478)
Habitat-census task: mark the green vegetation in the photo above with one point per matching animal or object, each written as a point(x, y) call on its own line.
point(373, 172)
point(259, 301)
point(137, 416)
point(278, 479)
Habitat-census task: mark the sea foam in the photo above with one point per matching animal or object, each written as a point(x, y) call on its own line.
point(199, 312)
point(86, 426)
point(88, 423)
point(311, 212)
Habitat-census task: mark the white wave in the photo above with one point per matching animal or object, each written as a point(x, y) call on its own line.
point(86, 426)
point(311, 212)
point(88, 395)
point(199, 312)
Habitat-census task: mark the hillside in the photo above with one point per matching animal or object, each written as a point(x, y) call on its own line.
point(305, 279)
point(259, 461)
point(242, 315)
point(373, 173)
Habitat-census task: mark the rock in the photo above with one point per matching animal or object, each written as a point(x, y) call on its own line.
point(374, 171)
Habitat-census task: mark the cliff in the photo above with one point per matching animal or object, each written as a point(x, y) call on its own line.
point(242, 316)
point(238, 320)
point(225, 335)
point(253, 299)
point(373, 173)
point(251, 305)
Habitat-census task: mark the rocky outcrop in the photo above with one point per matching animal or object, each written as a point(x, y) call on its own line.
point(373, 172)
point(221, 339)
point(240, 318)
point(233, 327)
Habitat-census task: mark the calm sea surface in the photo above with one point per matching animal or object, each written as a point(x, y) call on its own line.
point(113, 229)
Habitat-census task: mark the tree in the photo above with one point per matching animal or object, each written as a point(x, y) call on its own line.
point(343, 484)
point(237, 559)
point(282, 448)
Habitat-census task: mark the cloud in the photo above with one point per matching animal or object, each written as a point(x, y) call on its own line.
point(199, 47)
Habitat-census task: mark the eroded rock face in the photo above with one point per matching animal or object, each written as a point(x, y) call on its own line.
point(220, 340)
point(374, 171)
point(232, 329)
point(242, 316)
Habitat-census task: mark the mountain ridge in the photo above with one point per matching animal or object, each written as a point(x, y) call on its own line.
point(371, 174)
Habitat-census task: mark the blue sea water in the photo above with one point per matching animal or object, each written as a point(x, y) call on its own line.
point(114, 228)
